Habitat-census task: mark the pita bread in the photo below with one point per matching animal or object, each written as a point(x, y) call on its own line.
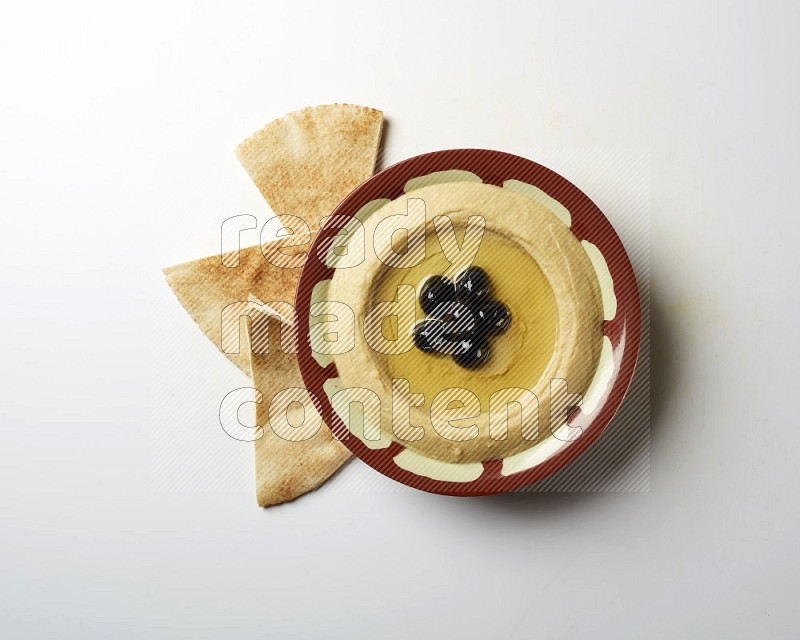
point(206, 287)
point(287, 469)
point(306, 162)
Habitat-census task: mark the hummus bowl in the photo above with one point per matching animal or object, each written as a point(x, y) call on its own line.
point(468, 322)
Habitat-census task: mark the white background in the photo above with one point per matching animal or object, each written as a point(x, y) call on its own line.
point(125, 510)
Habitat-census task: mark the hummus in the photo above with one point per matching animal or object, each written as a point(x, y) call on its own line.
point(549, 354)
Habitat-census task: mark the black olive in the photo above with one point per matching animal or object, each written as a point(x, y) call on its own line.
point(492, 317)
point(461, 317)
point(457, 318)
point(437, 290)
point(429, 337)
point(471, 352)
point(473, 284)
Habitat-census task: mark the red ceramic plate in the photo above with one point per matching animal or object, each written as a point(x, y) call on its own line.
point(622, 332)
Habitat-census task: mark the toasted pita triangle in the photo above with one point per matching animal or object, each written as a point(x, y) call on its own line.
point(306, 162)
point(205, 287)
point(286, 470)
